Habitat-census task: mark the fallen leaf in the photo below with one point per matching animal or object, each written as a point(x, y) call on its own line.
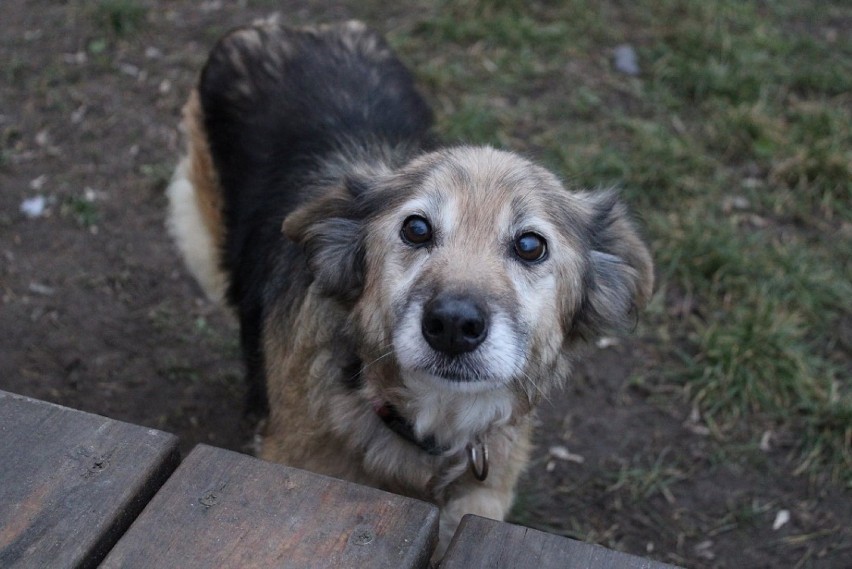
point(562, 453)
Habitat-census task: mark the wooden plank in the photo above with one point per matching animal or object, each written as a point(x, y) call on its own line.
point(223, 509)
point(483, 543)
point(71, 482)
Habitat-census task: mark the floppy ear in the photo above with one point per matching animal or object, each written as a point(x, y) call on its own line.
point(620, 276)
point(329, 230)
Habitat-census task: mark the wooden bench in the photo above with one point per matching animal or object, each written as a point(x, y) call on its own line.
point(72, 483)
point(480, 543)
point(223, 509)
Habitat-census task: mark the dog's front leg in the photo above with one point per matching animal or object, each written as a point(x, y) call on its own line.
point(484, 501)
point(492, 497)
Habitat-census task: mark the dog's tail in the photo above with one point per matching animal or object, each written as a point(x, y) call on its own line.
point(195, 207)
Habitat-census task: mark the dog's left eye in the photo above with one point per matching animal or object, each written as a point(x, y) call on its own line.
point(530, 247)
point(416, 231)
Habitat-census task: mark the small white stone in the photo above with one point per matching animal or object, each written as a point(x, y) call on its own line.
point(41, 289)
point(33, 207)
point(128, 69)
point(79, 114)
point(606, 342)
point(781, 519)
point(626, 60)
point(42, 138)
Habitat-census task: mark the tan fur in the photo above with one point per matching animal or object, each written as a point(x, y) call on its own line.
point(478, 201)
point(202, 174)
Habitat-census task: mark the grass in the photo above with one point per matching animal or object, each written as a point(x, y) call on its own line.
point(734, 145)
point(114, 21)
point(640, 481)
point(84, 211)
point(157, 175)
point(119, 18)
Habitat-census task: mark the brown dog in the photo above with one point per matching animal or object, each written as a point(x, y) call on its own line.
point(402, 308)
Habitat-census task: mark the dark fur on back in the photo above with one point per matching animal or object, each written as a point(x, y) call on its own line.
point(274, 132)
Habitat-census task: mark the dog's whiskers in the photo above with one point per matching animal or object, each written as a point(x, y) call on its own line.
point(366, 366)
point(525, 376)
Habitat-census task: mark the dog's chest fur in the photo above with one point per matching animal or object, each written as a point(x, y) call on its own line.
point(324, 421)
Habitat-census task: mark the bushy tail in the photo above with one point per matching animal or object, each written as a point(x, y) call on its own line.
point(195, 207)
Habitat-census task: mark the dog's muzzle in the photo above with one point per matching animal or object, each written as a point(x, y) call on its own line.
point(454, 324)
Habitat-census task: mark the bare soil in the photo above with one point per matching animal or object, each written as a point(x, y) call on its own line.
point(97, 312)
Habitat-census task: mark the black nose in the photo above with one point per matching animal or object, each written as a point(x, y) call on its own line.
point(454, 324)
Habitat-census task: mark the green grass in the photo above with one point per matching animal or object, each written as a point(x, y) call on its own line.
point(83, 211)
point(118, 18)
point(641, 480)
point(157, 175)
point(735, 147)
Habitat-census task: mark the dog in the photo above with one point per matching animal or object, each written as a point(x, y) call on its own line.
point(403, 305)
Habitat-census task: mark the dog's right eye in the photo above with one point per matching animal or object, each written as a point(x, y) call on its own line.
point(416, 231)
point(530, 247)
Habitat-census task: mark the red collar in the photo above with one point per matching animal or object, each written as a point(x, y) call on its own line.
point(404, 428)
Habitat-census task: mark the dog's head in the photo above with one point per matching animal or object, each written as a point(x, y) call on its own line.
point(475, 268)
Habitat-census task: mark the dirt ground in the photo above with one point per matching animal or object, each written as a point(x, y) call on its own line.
point(98, 314)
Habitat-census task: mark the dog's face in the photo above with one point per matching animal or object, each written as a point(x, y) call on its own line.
point(476, 269)
point(467, 270)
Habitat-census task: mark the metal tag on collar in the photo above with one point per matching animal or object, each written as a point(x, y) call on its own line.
point(474, 451)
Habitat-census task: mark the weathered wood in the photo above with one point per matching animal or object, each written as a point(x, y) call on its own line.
point(71, 482)
point(483, 543)
point(223, 509)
